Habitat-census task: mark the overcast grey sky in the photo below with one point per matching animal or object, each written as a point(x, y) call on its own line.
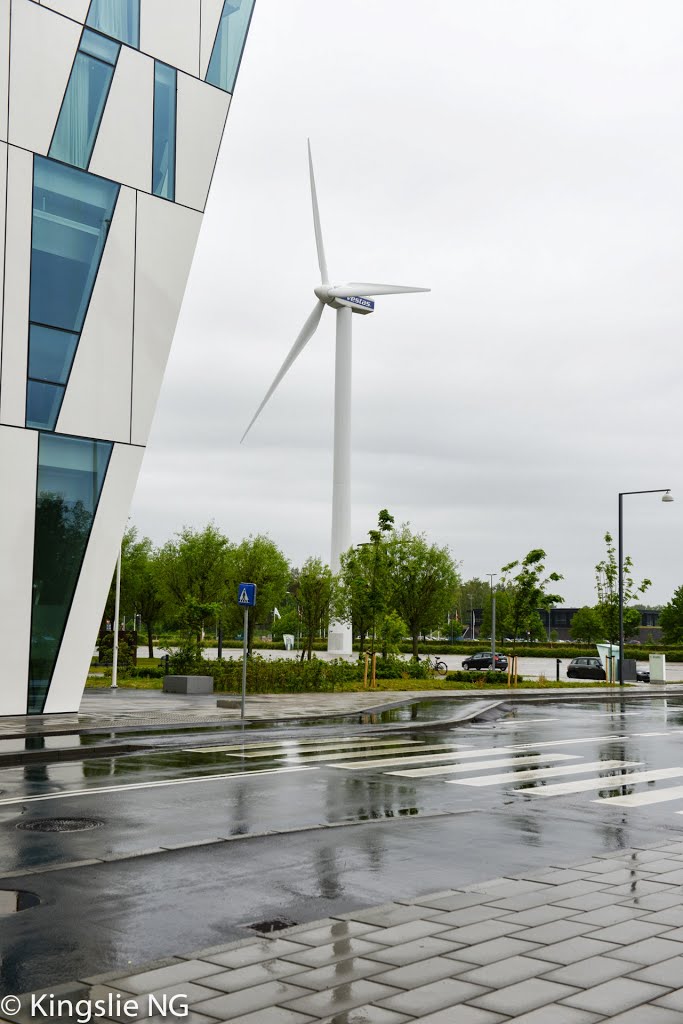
point(524, 159)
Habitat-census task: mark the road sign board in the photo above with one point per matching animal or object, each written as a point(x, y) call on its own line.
point(246, 595)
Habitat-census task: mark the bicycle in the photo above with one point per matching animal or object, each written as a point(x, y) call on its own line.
point(437, 665)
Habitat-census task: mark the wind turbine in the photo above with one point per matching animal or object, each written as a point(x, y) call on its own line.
point(346, 299)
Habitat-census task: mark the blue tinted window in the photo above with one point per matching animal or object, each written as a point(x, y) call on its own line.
point(163, 163)
point(81, 113)
point(119, 19)
point(43, 402)
point(71, 473)
point(72, 212)
point(227, 50)
point(50, 354)
point(99, 46)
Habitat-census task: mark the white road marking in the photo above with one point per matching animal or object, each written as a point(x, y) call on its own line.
point(543, 773)
point(609, 781)
point(150, 785)
point(659, 796)
point(344, 756)
point(236, 749)
point(455, 755)
point(503, 762)
point(373, 750)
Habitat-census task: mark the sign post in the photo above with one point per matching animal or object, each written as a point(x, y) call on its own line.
point(246, 599)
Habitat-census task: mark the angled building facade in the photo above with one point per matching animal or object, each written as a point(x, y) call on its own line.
point(111, 117)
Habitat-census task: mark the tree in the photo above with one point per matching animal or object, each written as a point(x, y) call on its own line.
point(423, 581)
point(527, 593)
point(193, 572)
point(671, 619)
point(607, 586)
point(503, 626)
point(256, 560)
point(363, 593)
point(313, 591)
point(586, 625)
point(141, 587)
point(472, 595)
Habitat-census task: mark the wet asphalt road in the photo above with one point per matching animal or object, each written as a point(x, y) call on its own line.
point(470, 803)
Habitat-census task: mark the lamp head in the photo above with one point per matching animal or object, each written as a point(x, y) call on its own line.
point(667, 497)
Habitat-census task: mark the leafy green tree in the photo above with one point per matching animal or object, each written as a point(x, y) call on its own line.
point(363, 593)
point(607, 586)
point(390, 632)
point(193, 573)
point(314, 592)
point(141, 586)
point(423, 581)
point(503, 623)
point(671, 619)
point(586, 625)
point(528, 592)
point(256, 560)
point(473, 594)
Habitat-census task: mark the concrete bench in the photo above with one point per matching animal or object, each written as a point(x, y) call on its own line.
point(188, 684)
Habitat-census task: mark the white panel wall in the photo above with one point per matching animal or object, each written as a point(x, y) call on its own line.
point(4, 149)
point(18, 460)
point(166, 240)
point(76, 9)
point(4, 66)
point(43, 47)
point(98, 395)
point(211, 15)
point(123, 150)
point(169, 31)
point(202, 111)
point(17, 283)
point(74, 657)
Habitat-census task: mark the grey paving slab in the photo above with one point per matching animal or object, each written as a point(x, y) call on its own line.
point(250, 1000)
point(494, 949)
point(549, 894)
point(482, 931)
point(593, 900)
point(645, 1015)
point(411, 952)
point(664, 865)
point(568, 952)
point(436, 996)
point(391, 914)
point(626, 932)
point(455, 901)
point(466, 1015)
point(668, 973)
point(615, 996)
point(654, 901)
point(603, 917)
point(332, 932)
point(255, 952)
point(509, 887)
point(672, 916)
point(649, 951)
point(555, 931)
point(642, 887)
point(343, 997)
point(367, 1015)
point(253, 974)
point(507, 972)
point(672, 1000)
point(319, 956)
point(555, 876)
point(523, 997)
point(674, 877)
point(586, 973)
point(553, 1013)
point(154, 981)
point(470, 915)
point(270, 1015)
point(675, 934)
point(540, 915)
point(422, 973)
point(343, 971)
point(406, 932)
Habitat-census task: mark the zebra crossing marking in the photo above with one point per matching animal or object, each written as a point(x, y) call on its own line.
point(641, 799)
point(322, 744)
point(374, 752)
point(543, 773)
point(628, 779)
point(504, 762)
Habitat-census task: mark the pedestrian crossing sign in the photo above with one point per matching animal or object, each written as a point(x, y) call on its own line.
point(246, 595)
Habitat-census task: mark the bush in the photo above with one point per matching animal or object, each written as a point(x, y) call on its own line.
point(128, 649)
point(483, 678)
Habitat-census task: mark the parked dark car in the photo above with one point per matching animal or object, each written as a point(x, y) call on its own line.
point(484, 660)
point(585, 668)
point(643, 675)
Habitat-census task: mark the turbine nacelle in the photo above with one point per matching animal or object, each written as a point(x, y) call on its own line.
point(329, 294)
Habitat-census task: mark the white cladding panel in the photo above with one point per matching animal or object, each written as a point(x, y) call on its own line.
point(66, 688)
point(76, 9)
point(17, 284)
point(166, 240)
point(123, 150)
point(4, 150)
point(211, 16)
point(202, 111)
point(43, 47)
point(98, 395)
point(169, 31)
point(4, 66)
point(18, 461)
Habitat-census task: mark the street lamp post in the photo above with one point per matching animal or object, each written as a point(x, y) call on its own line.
point(666, 496)
point(493, 622)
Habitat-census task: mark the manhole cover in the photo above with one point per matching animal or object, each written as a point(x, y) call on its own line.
point(276, 925)
point(60, 825)
point(13, 900)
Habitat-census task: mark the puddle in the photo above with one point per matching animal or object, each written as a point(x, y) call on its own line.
point(14, 900)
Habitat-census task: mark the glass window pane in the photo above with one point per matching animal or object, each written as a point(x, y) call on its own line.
point(81, 113)
point(72, 212)
point(227, 50)
point(71, 472)
point(50, 354)
point(163, 163)
point(99, 46)
point(43, 402)
point(119, 19)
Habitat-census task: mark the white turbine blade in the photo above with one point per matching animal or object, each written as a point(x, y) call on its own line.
point(322, 263)
point(340, 291)
point(305, 335)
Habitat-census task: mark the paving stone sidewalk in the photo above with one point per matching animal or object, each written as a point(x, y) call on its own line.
point(599, 941)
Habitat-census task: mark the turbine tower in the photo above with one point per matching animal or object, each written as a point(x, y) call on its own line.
point(346, 299)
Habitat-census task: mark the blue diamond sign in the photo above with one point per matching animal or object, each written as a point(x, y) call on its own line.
point(246, 595)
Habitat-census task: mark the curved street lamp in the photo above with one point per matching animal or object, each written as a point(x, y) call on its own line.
point(666, 496)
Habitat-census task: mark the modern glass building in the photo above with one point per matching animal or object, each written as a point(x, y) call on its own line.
point(111, 117)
